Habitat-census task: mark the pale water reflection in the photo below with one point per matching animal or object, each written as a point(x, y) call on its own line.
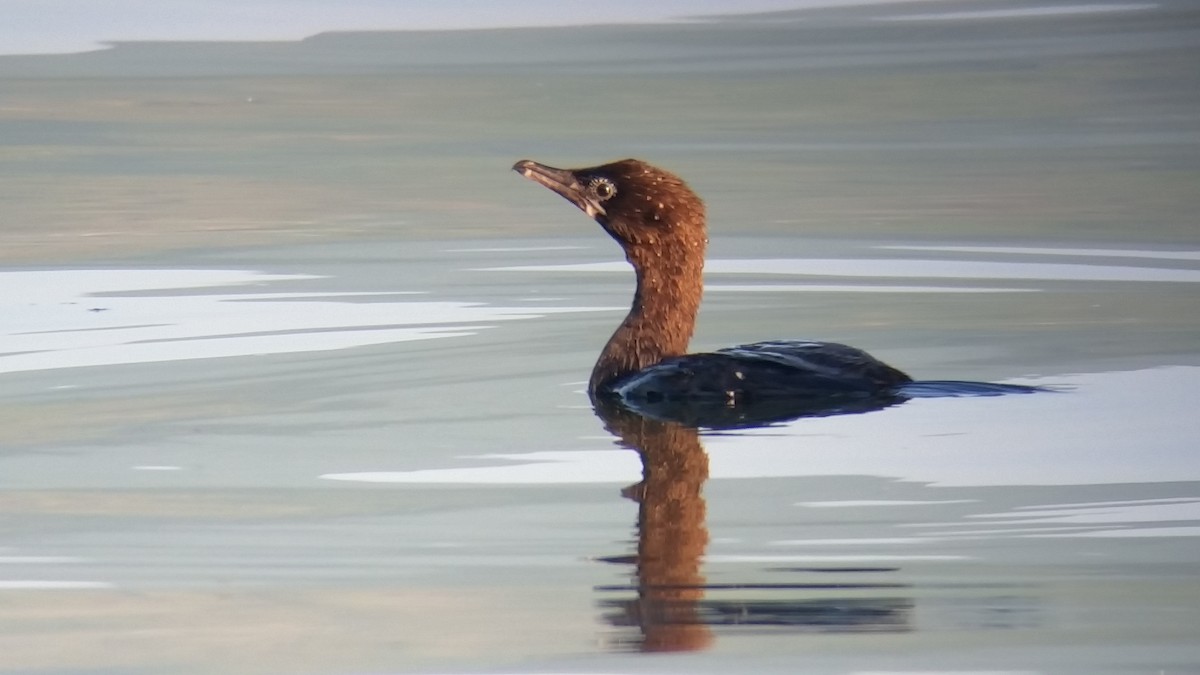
point(73, 318)
point(1041, 250)
point(908, 269)
point(944, 442)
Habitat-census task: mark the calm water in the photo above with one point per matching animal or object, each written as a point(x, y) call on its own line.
point(291, 365)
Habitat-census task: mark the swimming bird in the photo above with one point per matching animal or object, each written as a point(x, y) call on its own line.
point(662, 226)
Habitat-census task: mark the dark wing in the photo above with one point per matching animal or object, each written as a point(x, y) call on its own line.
point(761, 383)
point(838, 364)
point(763, 370)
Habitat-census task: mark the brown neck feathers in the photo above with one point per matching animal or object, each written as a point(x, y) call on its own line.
point(663, 315)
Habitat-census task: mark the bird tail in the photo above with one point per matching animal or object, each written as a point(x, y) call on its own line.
point(951, 388)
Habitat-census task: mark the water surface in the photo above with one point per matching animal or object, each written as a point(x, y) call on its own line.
point(291, 365)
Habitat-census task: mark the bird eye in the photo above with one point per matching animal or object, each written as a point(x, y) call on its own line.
point(603, 188)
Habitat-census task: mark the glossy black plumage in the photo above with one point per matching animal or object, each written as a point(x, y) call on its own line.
point(761, 370)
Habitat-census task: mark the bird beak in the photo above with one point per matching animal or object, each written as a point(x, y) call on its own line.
point(562, 181)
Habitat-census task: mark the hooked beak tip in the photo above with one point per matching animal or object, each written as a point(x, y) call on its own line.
point(522, 167)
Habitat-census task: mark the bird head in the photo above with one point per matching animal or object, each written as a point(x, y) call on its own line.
point(639, 205)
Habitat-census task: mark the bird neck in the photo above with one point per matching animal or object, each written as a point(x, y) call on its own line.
point(662, 318)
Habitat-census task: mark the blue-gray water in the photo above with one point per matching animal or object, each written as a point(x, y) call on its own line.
point(291, 364)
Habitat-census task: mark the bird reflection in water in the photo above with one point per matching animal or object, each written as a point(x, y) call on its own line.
point(672, 534)
point(670, 610)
